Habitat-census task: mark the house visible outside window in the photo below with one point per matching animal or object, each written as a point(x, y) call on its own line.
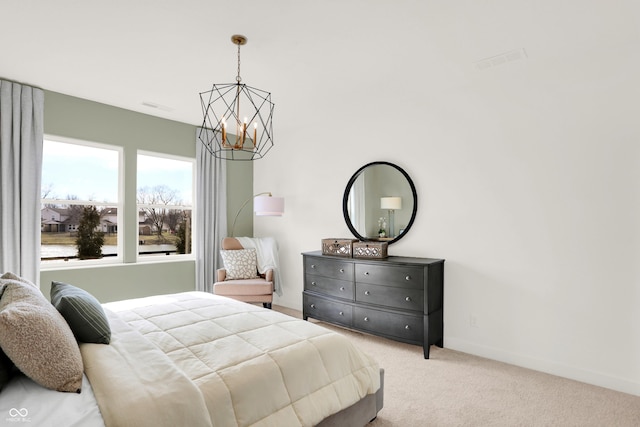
point(80, 185)
point(165, 205)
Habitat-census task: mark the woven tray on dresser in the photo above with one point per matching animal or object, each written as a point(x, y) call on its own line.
point(338, 246)
point(377, 250)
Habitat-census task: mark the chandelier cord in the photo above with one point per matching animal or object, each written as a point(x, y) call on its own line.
point(238, 78)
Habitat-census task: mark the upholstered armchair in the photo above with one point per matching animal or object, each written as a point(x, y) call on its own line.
point(242, 281)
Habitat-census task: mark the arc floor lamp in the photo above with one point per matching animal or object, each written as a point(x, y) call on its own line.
point(264, 204)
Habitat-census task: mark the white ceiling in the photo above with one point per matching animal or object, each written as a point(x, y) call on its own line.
point(326, 54)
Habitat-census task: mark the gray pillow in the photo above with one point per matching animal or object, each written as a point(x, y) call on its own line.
point(82, 311)
point(37, 339)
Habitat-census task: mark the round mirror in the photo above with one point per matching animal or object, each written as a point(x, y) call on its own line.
point(380, 202)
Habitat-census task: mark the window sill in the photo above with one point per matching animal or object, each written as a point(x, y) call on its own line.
point(164, 258)
point(112, 262)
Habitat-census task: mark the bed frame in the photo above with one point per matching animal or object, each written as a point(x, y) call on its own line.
point(360, 413)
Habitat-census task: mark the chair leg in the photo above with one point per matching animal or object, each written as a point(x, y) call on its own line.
point(266, 305)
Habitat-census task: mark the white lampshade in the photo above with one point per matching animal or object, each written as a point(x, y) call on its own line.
point(393, 203)
point(268, 206)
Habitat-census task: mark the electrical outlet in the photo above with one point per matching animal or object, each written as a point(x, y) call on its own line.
point(473, 321)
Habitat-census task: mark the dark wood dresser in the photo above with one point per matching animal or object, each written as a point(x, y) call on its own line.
point(397, 297)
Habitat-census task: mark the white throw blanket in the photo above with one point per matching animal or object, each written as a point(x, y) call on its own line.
point(267, 254)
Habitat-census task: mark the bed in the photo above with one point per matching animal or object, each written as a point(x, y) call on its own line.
point(199, 359)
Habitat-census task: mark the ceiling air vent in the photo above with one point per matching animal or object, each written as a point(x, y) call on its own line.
point(156, 106)
point(501, 59)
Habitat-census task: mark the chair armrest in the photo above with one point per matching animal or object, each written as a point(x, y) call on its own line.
point(268, 275)
point(221, 275)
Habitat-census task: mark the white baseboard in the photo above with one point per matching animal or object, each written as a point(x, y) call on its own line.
point(547, 366)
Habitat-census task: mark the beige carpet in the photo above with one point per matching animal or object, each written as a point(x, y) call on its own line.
point(457, 389)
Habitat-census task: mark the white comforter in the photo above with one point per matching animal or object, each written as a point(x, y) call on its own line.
point(199, 359)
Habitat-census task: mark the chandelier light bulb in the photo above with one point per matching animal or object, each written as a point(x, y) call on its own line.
point(255, 134)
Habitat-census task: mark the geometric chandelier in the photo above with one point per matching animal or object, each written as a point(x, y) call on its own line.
point(238, 118)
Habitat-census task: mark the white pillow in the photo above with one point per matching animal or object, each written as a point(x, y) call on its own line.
point(240, 264)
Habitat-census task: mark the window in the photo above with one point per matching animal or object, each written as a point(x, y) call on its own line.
point(79, 201)
point(82, 210)
point(165, 205)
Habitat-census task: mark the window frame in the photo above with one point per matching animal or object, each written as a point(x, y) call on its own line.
point(142, 259)
point(119, 205)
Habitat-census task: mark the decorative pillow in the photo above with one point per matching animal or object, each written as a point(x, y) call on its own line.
point(240, 264)
point(83, 313)
point(37, 339)
point(11, 276)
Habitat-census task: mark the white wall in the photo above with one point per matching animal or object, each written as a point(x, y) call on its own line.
point(527, 173)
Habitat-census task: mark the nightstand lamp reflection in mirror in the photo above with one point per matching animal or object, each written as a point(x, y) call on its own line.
point(391, 204)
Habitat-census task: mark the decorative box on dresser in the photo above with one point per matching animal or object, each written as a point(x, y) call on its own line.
point(400, 298)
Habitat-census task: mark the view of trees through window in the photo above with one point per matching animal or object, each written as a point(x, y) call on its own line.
point(68, 231)
point(165, 193)
point(80, 209)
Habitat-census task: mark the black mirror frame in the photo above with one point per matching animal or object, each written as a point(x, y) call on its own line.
point(345, 201)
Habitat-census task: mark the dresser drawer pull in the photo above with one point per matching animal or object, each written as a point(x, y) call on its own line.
point(408, 299)
point(313, 306)
point(342, 270)
point(366, 319)
point(408, 277)
point(342, 288)
point(407, 327)
point(341, 313)
point(313, 283)
point(366, 273)
point(367, 293)
point(313, 266)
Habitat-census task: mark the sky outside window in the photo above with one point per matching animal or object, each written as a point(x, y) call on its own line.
point(175, 174)
point(88, 173)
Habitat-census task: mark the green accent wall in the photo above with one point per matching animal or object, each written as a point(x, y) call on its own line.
point(239, 190)
point(77, 118)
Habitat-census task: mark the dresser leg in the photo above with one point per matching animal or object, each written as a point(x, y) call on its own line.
point(426, 351)
point(425, 339)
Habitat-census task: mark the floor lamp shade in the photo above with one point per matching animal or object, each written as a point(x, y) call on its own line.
point(268, 206)
point(264, 204)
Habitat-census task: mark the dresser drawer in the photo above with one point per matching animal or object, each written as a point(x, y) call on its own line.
point(323, 309)
point(390, 275)
point(329, 286)
point(402, 326)
point(389, 296)
point(327, 267)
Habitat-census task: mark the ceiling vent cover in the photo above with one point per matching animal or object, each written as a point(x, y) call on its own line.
point(501, 59)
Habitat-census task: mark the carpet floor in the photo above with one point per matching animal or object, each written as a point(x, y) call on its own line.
point(458, 389)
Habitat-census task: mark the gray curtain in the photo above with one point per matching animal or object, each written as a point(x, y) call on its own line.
point(211, 214)
point(21, 134)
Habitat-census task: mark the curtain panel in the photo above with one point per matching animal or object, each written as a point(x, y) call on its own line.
point(21, 135)
point(211, 217)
